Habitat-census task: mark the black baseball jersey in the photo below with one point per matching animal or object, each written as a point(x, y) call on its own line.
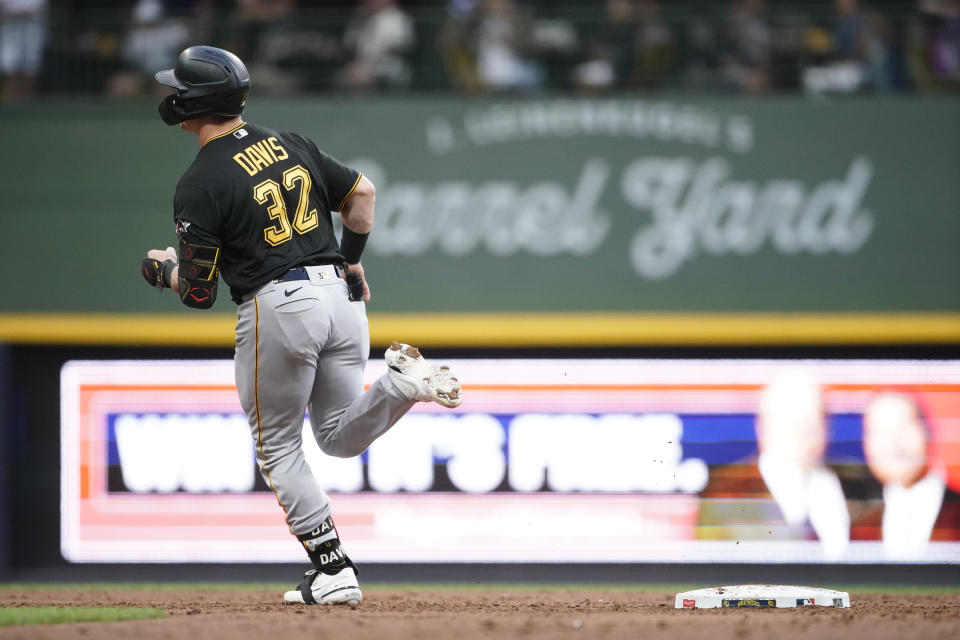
point(256, 203)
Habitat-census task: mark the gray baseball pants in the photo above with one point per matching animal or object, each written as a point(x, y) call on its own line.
point(302, 344)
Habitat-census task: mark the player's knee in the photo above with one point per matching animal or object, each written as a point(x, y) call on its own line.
point(340, 449)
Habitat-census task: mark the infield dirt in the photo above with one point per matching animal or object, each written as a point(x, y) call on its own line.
point(401, 614)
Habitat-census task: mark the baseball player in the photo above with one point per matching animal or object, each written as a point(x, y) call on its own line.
point(255, 208)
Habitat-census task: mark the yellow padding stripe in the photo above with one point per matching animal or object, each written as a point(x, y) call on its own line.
point(511, 329)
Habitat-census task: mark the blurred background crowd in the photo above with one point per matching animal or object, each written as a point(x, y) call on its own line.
point(478, 46)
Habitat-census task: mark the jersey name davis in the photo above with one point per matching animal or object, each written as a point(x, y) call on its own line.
point(261, 154)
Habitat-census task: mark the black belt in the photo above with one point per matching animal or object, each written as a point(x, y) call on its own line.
point(297, 273)
point(300, 273)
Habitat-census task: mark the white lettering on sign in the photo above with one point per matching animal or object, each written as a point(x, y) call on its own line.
point(693, 208)
point(506, 123)
point(195, 453)
point(565, 452)
point(545, 218)
point(472, 446)
point(610, 453)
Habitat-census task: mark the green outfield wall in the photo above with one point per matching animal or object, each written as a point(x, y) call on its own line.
point(610, 212)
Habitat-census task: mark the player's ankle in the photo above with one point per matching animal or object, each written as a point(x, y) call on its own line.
point(323, 546)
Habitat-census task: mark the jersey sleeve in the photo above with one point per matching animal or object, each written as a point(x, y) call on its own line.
point(197, 223)
point(342, 181)
point(195, 212)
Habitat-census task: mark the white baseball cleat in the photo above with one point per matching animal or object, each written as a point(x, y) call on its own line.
point(321, 588)
point(418, 379)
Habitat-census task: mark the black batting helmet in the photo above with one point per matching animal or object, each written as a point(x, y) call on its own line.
point(209, 81)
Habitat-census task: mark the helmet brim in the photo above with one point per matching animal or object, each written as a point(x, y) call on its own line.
point(169, 79)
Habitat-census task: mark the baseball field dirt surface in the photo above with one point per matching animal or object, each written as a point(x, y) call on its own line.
point(399, 613)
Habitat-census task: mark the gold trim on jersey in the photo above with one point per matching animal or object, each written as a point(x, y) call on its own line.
point(349, 193)
point(226, 133)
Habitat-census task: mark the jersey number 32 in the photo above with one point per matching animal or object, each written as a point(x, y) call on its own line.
point(268, 192)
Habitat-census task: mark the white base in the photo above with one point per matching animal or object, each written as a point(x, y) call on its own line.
point(754, 596)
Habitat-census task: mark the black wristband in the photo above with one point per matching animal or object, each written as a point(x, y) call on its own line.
point(166, 272)
point(352, 244)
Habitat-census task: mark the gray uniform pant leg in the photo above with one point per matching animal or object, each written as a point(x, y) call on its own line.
point(309, 348)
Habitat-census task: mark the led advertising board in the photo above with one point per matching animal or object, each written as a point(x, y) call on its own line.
point(754, 461)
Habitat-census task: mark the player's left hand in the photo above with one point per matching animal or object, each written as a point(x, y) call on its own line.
point(358, 269)
point(163, 254)
point(156, 271)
